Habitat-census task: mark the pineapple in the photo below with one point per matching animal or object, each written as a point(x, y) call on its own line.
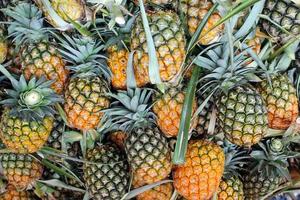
point(3, 46)
point(201, 174)
point(268, 168)
point(39, 57)
point(68, 10)
point(118, 138)
point(20, 170)
point(109, 179)
point(169, 40)
point(85, 94)
point(168, 108)
point(161, 192)
point(194, 12)
point(27, 119)
point(284, 13)
point(12, 193)
point(117, 62)
point(241, 113)
point(231, 186)
point(147, 149)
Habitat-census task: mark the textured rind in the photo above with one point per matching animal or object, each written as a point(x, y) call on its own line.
point(257, 185)
point(148, 154)
point(161, 192)
point(281, 101)
point(169, 41)
point(118, 138)
point(286, 14)
point(195, 10)
point(117, 62)
point(199, 177)
point(84, 100)
point(12, 193)
point(42, 59)
point(242, 116)
point(22, 136)
point(20, 170)
point(168, 107)
point(109, 179)
point(231, 189)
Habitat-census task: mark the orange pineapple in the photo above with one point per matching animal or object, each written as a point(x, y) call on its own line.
point(118, 138)
point(200, 176)
point(12, 193)
point(161, 192)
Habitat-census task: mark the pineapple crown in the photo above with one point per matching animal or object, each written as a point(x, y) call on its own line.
point(271, 158)
point(27, 24)
point(225, 69)
point(130, 110)
point(84, 55)
point(235, 159)
point(32, 100)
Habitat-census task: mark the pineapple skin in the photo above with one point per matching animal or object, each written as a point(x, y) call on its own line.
point(84, 100)
point(42, 59)
point(231, 189)
point(148, 155)
point(161, 192)
point(20, 170)
point(281, 101)
point(168, 107)
point(199, 177)
point(256, 186)
point(242, 116)
point(118, 138)
point(110, 179)
point(117, 62)
point(285, 13)
point(12, 193)
point(24, 136)
point(194, 12)
point(3, 46)
point(169, 41)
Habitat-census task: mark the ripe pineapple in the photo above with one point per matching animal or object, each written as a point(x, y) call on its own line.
point(168, 108)
point(85, 94)
point(117, 62)
point(147, 149)
point(110, 178)
point(118, 138)
point(194, 12)
point(3, 46)
point(27, 119)
point(12, 193)
point(68, 10)
point(284, 13)
point(20, 170)
point(241, 113)
point(161, 192)
point(201, 174)
point(281, 101)
point(268, 168)
point(169, 40)
point(38, 55)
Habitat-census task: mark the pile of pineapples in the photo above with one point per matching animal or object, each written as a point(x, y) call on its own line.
point(149, 100)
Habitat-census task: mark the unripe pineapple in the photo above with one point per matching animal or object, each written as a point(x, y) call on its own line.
point(231, 189)
point(12, 193)
point(3, 46)
point(20, 170)
point(169, 40)
point(281, 101)
point(284, 13)
point(117, 62)
point(85, 94)
point(168, 108)
point(38, 56)
point(194, 12)
point(148, 154)
point(242, 116)
point(27, 130)
point(161, 192)
point(68, 10)
point(110, 178)
point(199, 177)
